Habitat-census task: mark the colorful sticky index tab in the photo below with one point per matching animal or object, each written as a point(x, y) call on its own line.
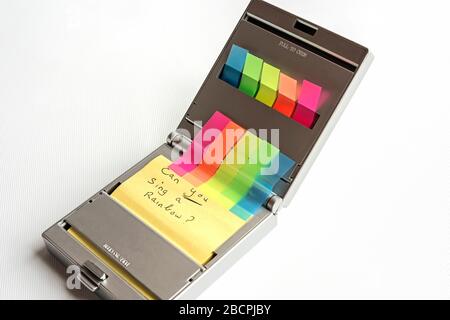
point(232, 70)
point(268, 88)
point(263, 186)
point(228, 169)
point(257, 161)
point(242, 182)
point(215, 153)
point(307, 104)
point(194, 154)
point(255, 198)
point(280, 167)
point(287, 95)
point(251, 75)
point(227, 175)
point(192, 221)
point(310, 95)
point(305, 116)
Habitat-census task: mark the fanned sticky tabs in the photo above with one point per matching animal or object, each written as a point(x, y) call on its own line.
point(238, 170)
point(215, 153)
point(247, 177)
point(251, 75)
point(232, 170)
point(193, 156)
point(287, 95)
point(268, 88)
point(307, 104)
point(254, 201)
point(192, 221)
point(263, 186)
point(232, 69)
point(280, 167)
point(258, 155)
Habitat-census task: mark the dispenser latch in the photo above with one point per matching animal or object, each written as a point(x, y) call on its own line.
point(91, 276)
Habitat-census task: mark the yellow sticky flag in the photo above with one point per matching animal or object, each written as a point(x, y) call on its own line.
point(188, 218)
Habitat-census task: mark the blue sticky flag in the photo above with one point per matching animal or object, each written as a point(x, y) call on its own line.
point(234, 66)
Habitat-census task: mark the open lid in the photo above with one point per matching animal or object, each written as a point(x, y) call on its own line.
point(298, 48)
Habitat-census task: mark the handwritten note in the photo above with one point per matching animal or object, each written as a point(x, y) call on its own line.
point(187, 217)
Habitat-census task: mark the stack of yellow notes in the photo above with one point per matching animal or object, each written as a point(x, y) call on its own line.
point(188, 218)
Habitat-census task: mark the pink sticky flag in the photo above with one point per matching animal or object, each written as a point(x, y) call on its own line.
point(307, 104)
point(215, 153)
point(194, 154)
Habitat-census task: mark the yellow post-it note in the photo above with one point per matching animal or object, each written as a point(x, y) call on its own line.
point(188, 218)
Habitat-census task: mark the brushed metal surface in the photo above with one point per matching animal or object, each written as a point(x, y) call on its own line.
point(153, 261)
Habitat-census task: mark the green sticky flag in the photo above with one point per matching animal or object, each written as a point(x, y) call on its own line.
point(251, 75)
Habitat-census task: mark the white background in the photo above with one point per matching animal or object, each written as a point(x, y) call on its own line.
point(88, 88)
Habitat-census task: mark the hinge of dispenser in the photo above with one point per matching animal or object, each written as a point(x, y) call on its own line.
point(274, 203)
point(178, 141)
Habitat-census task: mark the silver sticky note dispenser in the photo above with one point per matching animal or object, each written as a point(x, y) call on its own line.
point(119, 257)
